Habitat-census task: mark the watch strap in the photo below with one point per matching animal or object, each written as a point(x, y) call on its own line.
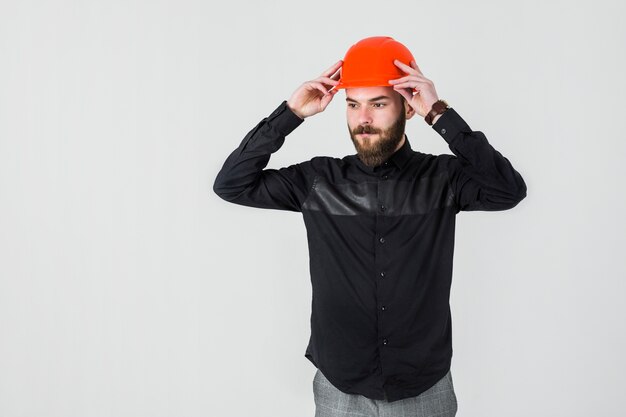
point(438, 107)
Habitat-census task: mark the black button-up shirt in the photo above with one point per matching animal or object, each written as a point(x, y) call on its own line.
point(380, 243)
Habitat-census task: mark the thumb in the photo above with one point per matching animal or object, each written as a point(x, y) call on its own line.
point(327, 98)
point(404, 93)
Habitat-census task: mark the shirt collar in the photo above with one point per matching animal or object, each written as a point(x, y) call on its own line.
point(399, 158)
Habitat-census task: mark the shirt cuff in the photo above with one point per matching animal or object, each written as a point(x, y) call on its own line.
point(450, 124)
point(284, 119)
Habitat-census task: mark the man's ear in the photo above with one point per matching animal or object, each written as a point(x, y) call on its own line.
point(408, 110)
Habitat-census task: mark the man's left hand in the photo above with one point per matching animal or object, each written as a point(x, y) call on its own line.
point(418, 90)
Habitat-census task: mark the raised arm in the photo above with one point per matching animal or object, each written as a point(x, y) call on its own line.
point(243, 178)
point(480, 177)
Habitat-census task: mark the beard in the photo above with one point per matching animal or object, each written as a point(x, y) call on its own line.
point(375, 153)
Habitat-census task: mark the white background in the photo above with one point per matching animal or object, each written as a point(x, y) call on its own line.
point(128, 288)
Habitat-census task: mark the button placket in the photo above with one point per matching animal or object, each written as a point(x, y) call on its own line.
point(382, 221)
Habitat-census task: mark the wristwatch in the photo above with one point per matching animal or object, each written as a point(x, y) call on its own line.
point(438, 107)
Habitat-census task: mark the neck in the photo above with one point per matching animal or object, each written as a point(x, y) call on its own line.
point(400, 143)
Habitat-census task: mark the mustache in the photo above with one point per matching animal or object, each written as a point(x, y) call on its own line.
point(365, 129)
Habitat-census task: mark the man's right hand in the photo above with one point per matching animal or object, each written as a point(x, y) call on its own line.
point(313, 96)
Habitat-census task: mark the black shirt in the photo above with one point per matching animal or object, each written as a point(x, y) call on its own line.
point(380, 243)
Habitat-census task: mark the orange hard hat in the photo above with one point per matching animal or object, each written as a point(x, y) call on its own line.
point(369, 62)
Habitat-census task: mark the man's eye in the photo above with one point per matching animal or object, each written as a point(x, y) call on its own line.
point(379, 104)
point(351, 105)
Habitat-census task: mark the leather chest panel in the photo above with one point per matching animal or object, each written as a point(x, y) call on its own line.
point(402, 197)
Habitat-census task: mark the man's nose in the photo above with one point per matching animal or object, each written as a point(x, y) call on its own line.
point(365, 116)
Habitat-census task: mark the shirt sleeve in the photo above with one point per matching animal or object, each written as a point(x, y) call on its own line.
point(480, 177)
point(243, 179)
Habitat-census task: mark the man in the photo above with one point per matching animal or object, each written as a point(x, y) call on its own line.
point(380, 228)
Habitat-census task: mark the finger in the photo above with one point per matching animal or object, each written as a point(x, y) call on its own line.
point(409, 91)
point(404, 66)
point(318, 86)
point(335, 77)
point(327, 80)
point(327, 99)
point(414, 65)
point(333, 89)
point(401, 79)
point(332, 68)
point(409, 84)
point(418, 78)
point(408, 96)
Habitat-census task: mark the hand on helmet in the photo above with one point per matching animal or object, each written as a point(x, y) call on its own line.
point(418, 90)
point(313, 96)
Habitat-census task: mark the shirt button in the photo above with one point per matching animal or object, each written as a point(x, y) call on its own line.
point(443, 131)
point(385, 341)
point(383, 208)
point(383, 308)
point(381, 240)
point(382, 274)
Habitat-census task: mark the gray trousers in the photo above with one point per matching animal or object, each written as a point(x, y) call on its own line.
point(439, 400)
